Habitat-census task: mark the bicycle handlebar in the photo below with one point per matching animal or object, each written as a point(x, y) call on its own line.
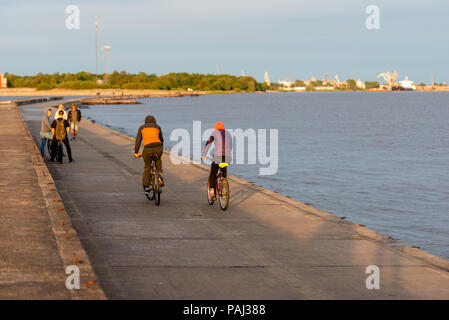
point(220, 164)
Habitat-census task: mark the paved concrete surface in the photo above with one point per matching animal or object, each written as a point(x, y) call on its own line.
point(266, 246)
point(34, 250)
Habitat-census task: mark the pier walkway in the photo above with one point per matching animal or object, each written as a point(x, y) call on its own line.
point(35, 245)
point(265, 246)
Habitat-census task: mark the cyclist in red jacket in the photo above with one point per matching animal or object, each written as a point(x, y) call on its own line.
point(222, 153)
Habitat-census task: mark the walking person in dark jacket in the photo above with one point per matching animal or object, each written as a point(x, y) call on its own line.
point(74, 118)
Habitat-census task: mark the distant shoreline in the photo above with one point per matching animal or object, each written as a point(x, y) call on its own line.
point(33, 92)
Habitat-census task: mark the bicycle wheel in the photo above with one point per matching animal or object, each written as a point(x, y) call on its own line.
point(59, 155)
point(157, 190)
point(150, 194)
point(209, 200)
point(224, 194)
point(49, 142)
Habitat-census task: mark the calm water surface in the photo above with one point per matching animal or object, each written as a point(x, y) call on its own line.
point(379, 159)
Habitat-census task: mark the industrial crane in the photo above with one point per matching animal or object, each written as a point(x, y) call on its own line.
point(389, 78)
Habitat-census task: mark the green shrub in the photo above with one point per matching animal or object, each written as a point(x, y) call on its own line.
point(44, 86)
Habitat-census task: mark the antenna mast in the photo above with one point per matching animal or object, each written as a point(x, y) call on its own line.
point(96, 48)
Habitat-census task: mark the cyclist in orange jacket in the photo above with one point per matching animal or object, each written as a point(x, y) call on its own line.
point(153, 142)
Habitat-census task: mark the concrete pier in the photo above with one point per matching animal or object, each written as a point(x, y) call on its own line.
point(21, 102)
point(265, 246)
point(37, 240)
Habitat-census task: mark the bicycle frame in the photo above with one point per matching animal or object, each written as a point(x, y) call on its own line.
point(49, 142)
point(153, 173)
point(155, 188)
point(221, 182)
point(219, 177)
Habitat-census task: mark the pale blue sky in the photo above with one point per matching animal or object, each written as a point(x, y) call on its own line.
point(288, 38)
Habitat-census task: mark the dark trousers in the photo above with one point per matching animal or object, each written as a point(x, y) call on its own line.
point(213, 174)
point(54, 145)
point(148, 154)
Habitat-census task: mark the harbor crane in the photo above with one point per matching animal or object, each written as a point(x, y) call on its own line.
point(337, 79)
point(389, 78)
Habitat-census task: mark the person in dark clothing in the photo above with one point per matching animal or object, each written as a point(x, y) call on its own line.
point(59, 135)
point(153, 142)
point(74, 117)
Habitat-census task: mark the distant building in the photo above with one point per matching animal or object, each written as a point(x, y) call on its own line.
point(342, 85)
point(326, 79)
point(324, 88)
point(360, 84)
point(3, 82)
point(267, 79)
point(287, 82)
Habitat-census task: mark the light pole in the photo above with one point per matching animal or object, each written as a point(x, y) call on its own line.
point(96, 49)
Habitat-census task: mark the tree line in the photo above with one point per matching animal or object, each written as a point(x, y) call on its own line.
point(141, 80)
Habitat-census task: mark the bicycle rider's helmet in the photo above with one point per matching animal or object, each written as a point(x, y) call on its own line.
point(219, 126)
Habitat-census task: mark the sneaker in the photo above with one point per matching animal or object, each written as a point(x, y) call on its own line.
point(212, 194)
point(146, 190)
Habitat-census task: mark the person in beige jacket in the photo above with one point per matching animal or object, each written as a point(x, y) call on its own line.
point(45, 131)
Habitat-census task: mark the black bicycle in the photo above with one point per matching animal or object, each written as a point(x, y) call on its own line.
point(221, 189)
point(59, 150)
point(154, 192)
point(49, 142)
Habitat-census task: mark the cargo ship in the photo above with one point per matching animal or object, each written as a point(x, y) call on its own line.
point(404, 85)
